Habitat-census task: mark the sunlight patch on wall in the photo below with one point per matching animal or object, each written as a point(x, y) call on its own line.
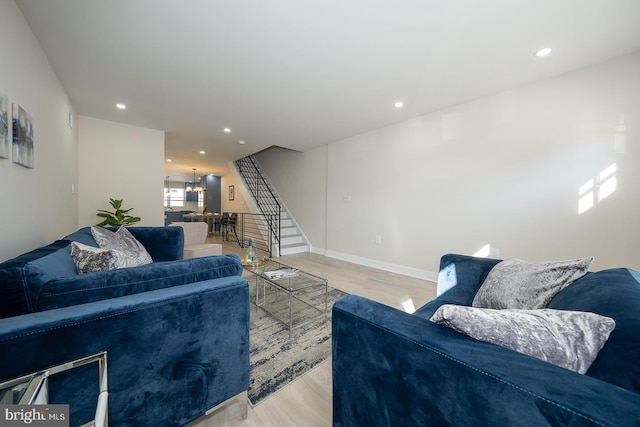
point(608, 183)
point(487, 251)
point(586, 196)
point(483, 252)
point(598, 188)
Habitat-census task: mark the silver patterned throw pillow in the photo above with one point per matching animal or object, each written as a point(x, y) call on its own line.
point(571, 339)
point(89, 259)
point(514, 283)
point(123, 241)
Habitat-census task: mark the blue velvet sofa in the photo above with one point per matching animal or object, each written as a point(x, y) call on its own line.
point(391, 368)
point(176, 331)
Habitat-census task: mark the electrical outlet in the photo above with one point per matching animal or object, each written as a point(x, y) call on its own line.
point(378, 239)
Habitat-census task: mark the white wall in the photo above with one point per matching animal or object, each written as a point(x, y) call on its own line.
point(503, 170)
point(238, 204)
point(36, 205)
point(120, 161)
point(305, 198)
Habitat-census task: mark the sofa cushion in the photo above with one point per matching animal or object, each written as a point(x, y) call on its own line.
point(613, 293)
point(122, 241)
point(103, 285)
point(89, 259)
point(459, 278)
point(162, 243)
point(520, 284)
point(22, 276)
point(83, 236)
point(571, 339)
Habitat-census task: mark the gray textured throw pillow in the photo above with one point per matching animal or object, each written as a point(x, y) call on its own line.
point(89, 259)
point(514, 283)
point(123, 241)
point(571, 339)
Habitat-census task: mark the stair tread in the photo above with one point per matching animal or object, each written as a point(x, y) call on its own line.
point(293, 245)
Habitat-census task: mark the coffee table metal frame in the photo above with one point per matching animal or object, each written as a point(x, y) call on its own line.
point(32, 389)
point(293, 287)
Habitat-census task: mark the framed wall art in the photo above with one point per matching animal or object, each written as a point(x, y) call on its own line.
point(22, 137)
point(232, 192)
point(4, 126)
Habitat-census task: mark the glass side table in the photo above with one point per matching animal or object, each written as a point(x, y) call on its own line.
point(33, 389)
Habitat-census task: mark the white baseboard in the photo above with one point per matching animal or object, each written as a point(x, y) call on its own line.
point(386, 266)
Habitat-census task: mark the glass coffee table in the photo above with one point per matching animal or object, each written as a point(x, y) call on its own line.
point(293, 297)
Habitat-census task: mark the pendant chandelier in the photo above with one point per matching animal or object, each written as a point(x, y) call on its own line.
point(195, 185)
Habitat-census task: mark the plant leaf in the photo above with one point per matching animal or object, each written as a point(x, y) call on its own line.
point(119, 217)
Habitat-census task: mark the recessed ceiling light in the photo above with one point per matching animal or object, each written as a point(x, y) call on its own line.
point(169, 160)
point(241, 142)
point(543, 52)
point(399, 104)
point(227, 130)
point(121, 106)
point(201, 152)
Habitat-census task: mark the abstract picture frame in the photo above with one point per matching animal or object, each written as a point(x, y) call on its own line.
point(4, 126)
point(22, 152)
point(232, 192)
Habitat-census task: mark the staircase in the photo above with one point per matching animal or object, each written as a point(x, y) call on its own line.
point(286, 236)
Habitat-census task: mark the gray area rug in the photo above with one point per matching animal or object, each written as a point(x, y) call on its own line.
point(277, 360)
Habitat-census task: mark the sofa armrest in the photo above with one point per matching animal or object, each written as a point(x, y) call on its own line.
point(103, 285)
point(172, 353)
point(393, 368)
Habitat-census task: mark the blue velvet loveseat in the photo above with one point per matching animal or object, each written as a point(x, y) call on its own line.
point(176, 331)
point(391, 368)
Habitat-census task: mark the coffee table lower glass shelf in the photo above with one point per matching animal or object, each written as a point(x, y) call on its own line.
point(291, 296)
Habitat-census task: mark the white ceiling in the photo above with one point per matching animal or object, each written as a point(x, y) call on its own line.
point(299, 74)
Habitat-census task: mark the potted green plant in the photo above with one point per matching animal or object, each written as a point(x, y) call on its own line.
point(118, 217)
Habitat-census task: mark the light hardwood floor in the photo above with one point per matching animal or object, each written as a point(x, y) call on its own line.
point(307, 400)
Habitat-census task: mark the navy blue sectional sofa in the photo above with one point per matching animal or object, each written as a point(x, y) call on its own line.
point(176, 331)
point(391, 368)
